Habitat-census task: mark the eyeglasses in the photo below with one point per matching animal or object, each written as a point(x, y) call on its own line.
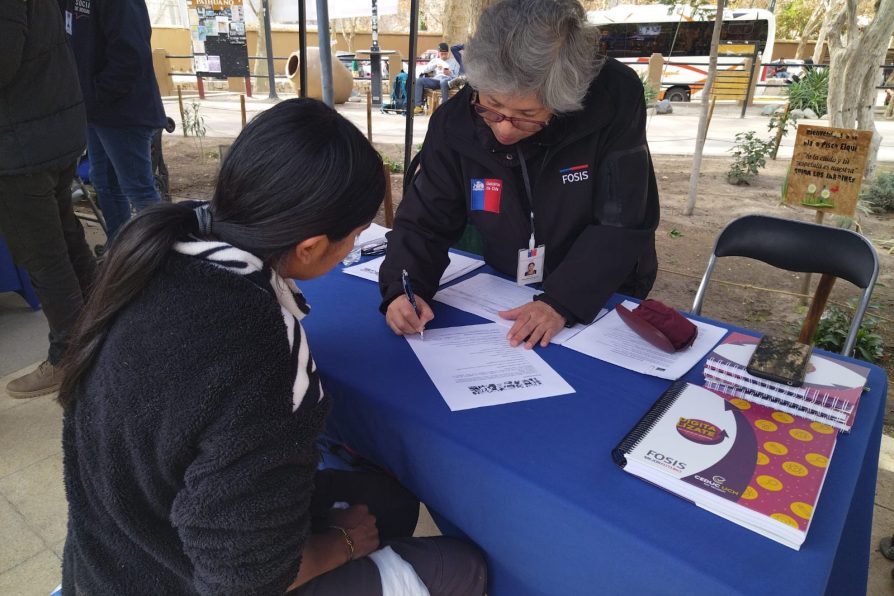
point(519, 123)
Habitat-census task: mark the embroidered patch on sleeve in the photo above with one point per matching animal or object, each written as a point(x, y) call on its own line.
point(486, 193)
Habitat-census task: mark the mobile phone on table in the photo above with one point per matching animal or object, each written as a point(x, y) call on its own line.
point(781, 360)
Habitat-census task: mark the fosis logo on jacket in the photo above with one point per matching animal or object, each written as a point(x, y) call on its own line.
point(81, 7)
point(575, 173)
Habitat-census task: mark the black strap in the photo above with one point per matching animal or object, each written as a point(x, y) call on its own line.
point(528, 194)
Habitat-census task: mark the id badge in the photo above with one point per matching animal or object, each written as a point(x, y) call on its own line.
point(68, 26)
point(530, 265)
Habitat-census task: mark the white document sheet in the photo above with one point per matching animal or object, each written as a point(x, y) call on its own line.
point(485, 295)
point(373, 232)
point(474, 366)
point(611, 340)
point(459, 266)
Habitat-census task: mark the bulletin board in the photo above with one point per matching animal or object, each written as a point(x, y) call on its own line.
point(217, 28)
point(827, 168)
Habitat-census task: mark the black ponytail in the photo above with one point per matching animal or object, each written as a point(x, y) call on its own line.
point(298, 170)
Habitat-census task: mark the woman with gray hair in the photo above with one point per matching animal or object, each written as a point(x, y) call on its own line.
point(541, 158)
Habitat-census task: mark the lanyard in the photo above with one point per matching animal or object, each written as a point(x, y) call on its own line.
point(529, 196)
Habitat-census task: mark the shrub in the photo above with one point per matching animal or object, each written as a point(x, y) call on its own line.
point(831, 333)
point(810, 91)
point(749, 156)
point(394, 167)
point(879, 193)
point(649, 92)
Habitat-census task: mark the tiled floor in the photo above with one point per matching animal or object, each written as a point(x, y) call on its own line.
point(32, 499)
point(33, 510)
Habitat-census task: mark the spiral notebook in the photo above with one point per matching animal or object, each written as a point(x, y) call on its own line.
point(830, 393)
point(760, 468)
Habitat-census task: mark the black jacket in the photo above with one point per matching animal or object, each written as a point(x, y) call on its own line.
point(595, 199)
point(111, 42)
point(186, 469)
point(41, 111)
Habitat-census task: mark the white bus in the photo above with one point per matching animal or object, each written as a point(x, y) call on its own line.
point(683, 36)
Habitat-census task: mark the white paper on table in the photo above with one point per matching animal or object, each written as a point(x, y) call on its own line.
point(459, 265)
point(474, 366)
point(611, 340)
point(485, 295)
point(373, 232)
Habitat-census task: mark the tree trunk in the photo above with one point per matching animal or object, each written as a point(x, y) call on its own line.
point(812, 23)
point(703, 117)
point(832, 9)
point(460, 17)
point(347, 27)
point(854, 70)
point(259, 70)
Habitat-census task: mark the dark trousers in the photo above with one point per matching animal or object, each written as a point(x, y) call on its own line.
point(423, 83)
point(447, 567)
point(46, 238)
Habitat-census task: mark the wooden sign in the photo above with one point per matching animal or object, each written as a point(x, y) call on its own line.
point(827, 168)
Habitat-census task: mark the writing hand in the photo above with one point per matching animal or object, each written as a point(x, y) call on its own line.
point(360, 525)
point(534, 322)
point(402, 318)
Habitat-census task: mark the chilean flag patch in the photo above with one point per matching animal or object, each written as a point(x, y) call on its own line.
point(486, 193)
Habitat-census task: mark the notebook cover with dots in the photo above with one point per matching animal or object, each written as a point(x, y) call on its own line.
point(755, 466)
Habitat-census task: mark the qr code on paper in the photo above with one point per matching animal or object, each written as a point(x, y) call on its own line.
point(504, 386)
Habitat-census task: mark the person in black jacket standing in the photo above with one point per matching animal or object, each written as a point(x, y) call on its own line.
point(111, 42)
point(543, 155)
point(42, 134)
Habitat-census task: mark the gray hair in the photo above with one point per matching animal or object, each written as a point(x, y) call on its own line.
point(545, 47)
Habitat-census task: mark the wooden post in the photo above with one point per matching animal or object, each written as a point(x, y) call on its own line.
point(248, 86)
point(162, 67)
point(656, 66)
point(242, 109)
point(820, 298)
point(369, 126)
point(182, 112)
point(389, 201)
point(201, 86)
point(805, 285)
point(710, 113)
point(780, 130)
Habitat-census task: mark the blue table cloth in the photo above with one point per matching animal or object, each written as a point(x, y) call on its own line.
point(534, 485)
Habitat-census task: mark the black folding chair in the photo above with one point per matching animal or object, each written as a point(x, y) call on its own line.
point(805, 248)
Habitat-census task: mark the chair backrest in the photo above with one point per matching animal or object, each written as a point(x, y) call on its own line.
point(802, 247)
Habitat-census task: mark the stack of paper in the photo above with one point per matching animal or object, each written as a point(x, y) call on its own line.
point(459, 265)
point(486, 295)
point(611, 340)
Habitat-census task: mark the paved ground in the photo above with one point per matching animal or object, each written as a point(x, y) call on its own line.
point(32, 500)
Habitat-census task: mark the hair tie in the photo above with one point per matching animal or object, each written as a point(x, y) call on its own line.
point(203, 215)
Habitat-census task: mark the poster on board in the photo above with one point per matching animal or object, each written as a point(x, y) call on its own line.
point(218, 38)
point(827, 168)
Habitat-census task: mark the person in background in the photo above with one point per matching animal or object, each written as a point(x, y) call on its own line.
point(193, 404)
point(111, 39)
point(460, 79)
point(42, 134)
point(542, 156)
point(444, 69)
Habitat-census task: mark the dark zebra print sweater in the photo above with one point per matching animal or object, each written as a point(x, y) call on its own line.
point(189, 448)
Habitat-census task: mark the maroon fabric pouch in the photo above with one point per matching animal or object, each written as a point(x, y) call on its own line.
point(660, 325)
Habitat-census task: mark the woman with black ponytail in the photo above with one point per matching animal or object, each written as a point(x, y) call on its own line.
point(192, 403)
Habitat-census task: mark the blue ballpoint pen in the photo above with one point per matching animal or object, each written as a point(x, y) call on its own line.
point(408, 290)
